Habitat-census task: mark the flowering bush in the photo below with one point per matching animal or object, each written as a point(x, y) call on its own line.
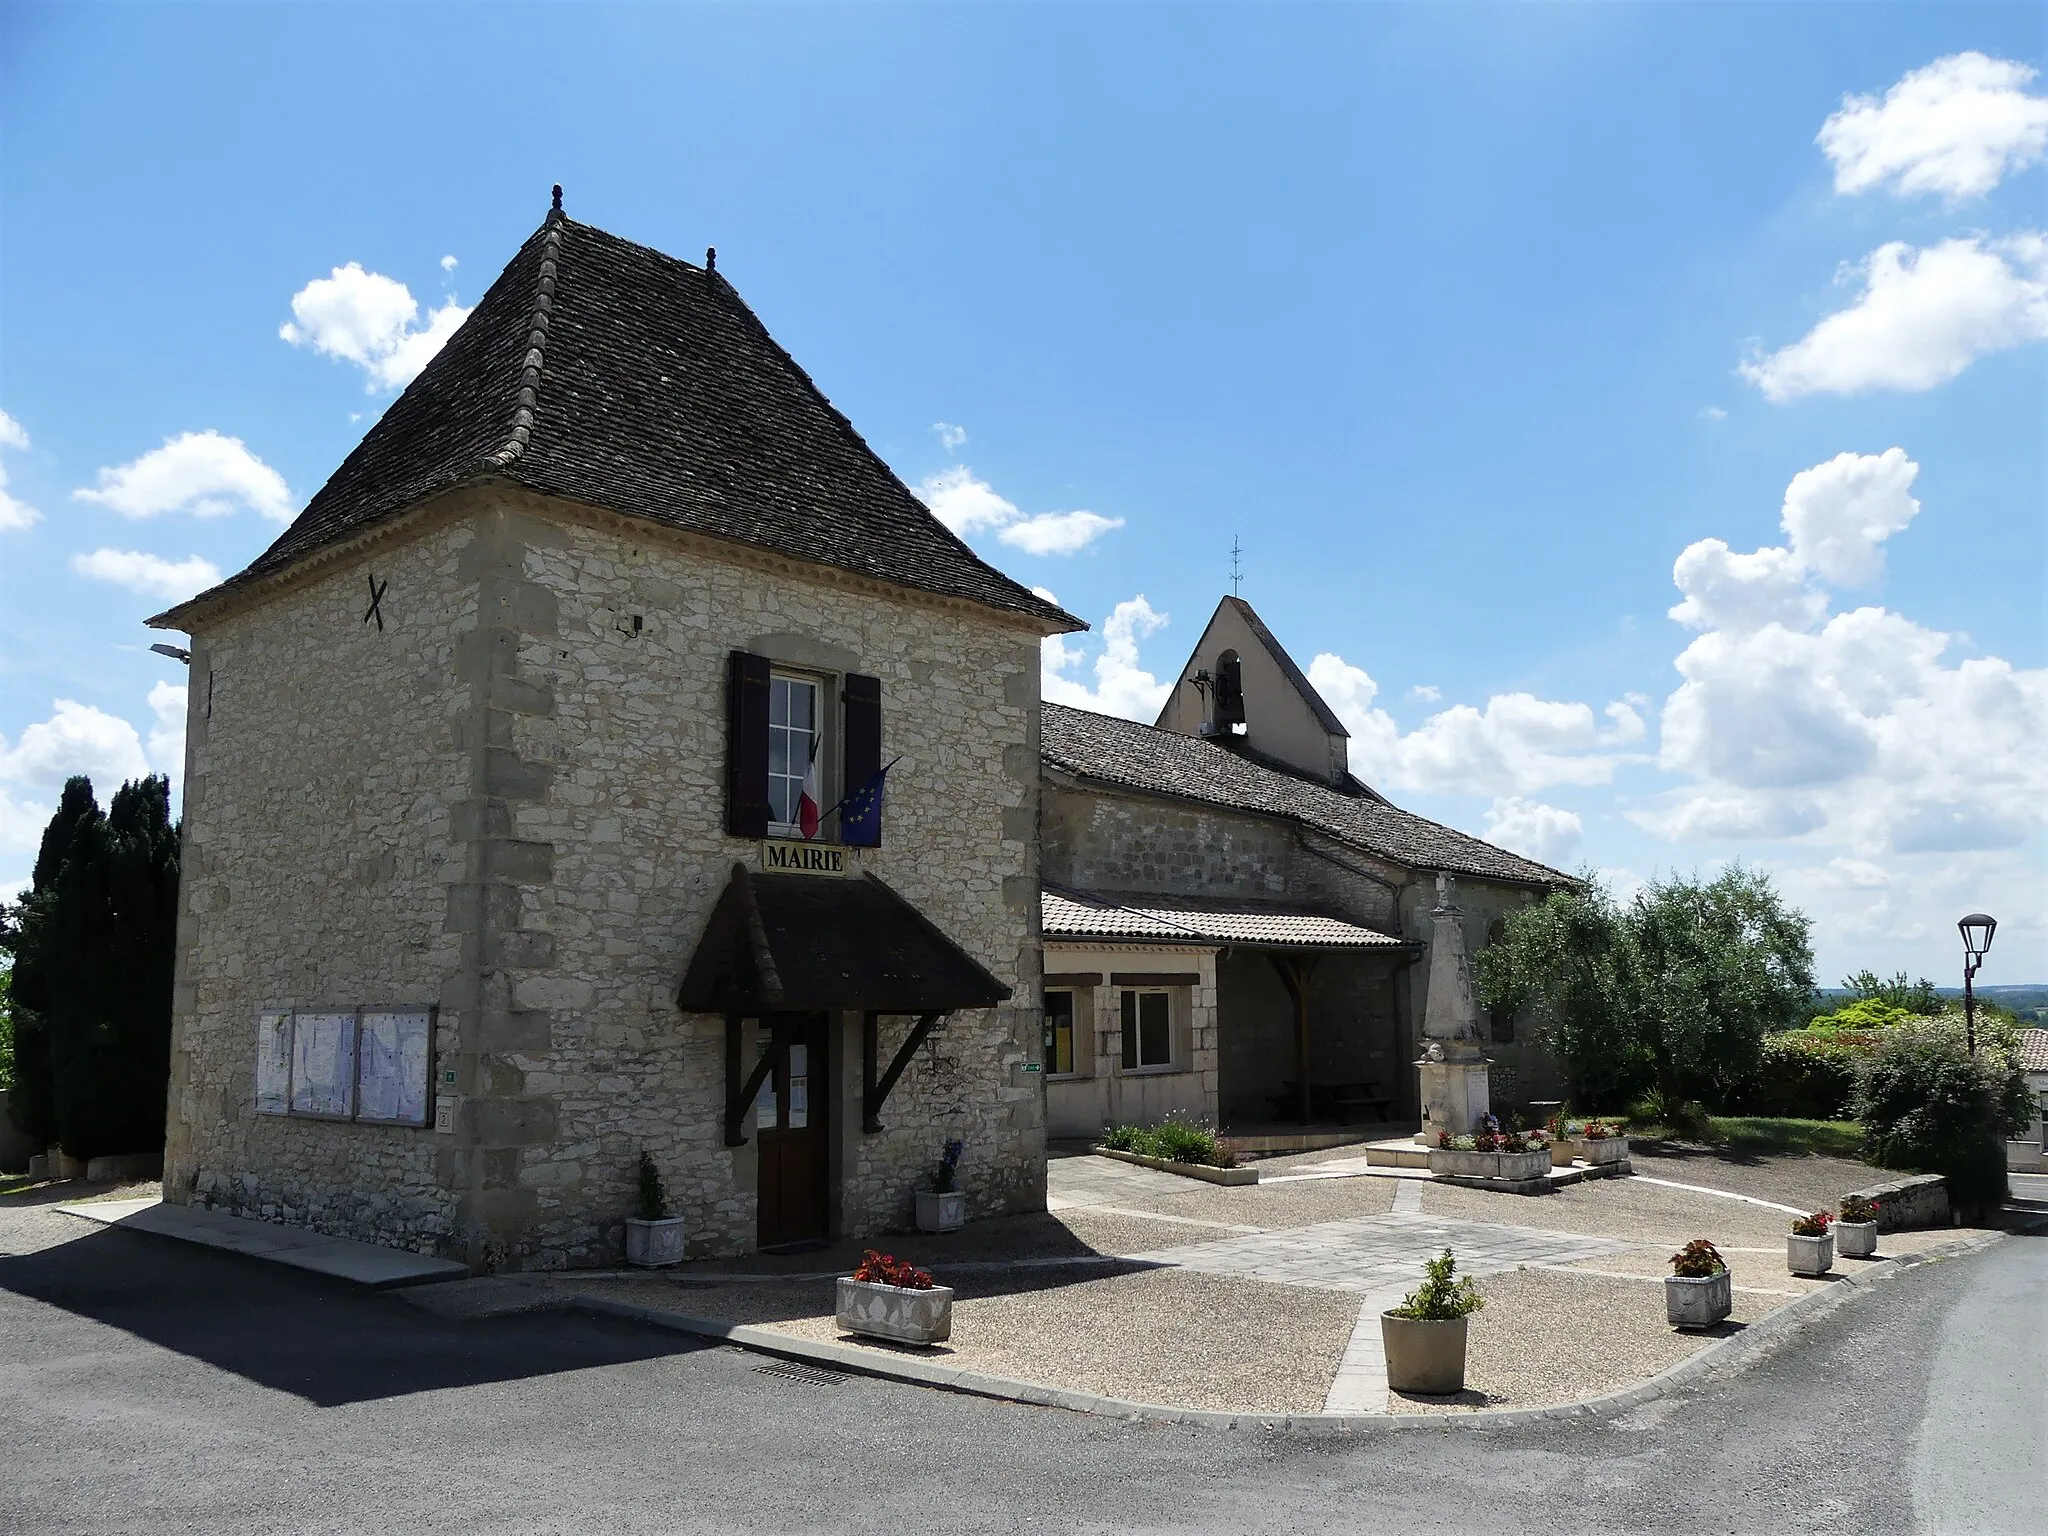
point(946, 1175)
point(880, 1269)
point(1858, 1208)
point(1697, 1260)
point(1815, 1225)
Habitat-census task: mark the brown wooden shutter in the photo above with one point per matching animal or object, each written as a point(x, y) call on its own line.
point(746, 745)
point(861, 754)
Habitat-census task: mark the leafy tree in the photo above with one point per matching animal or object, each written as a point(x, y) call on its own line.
point(1674, 992)
point(6, 1025)
point(1907, 997)
point(94, 945)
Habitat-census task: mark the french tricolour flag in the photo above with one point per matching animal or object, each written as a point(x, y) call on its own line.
point(807, 802)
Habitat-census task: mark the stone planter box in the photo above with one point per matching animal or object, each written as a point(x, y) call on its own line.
point(1698, 1302)
point(1425, 1355)
point(941, 1211)
point(1470, 1165)
point(1510, 1167)
point(1202, 1171)
point(1856, 1239)
point(1603, 1153)
point(895, 1313)
point(1519, 1166)
point(654, 1244)
point(1810, 1256)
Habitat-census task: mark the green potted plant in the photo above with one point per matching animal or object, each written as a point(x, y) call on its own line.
point(654, 1238)
point(1856, 1227)
point(1425, 1335)
point(1810, 1247)
point(1699, 1292)
point(889, 1298)
point(943, 1207)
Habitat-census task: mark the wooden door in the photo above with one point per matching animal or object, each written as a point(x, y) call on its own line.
point(793, 1128)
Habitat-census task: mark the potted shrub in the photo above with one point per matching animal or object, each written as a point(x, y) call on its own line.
point(1856, 1228)
point(893, 1299)
point(654, 1238)
point(1425, 1335)
point(1699, 1292)
point(943, 1207)
point(1600, 1144)
point(1810, 1249)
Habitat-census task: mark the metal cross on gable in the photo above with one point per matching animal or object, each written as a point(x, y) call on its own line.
point(376, 611)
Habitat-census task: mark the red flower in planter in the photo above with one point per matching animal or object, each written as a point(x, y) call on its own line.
point(880, 1269)
point(1815, 1225)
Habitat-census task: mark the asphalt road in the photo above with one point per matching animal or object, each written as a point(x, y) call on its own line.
point(149, 1387)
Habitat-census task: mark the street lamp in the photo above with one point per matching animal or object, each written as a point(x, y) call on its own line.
point(1977, 930)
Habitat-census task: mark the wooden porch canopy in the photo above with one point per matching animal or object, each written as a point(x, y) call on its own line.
point(809, 943)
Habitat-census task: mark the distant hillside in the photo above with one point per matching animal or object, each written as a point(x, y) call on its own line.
point(2026, 1001)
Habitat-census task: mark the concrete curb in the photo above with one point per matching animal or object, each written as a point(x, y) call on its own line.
point(1233, 1177)
point(1722, 1354)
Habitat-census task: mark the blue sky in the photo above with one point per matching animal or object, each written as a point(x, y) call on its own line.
point(1473, 323)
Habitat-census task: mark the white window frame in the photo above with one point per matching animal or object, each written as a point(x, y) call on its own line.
point(1074, 996)
point(1172, 1062)
point(780, 679)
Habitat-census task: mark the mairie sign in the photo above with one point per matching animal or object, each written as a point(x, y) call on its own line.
point(787, 858)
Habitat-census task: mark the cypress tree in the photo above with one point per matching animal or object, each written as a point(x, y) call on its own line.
point(32, 1102)
point(107, 949)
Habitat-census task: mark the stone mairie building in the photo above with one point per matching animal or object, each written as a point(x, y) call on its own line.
point(500, 764)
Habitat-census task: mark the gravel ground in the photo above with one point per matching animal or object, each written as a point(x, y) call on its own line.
point(1151, 1335)
point(1545, 1337)
point(1280, 1205)
point(1804, 1180)
point(1623, 1208)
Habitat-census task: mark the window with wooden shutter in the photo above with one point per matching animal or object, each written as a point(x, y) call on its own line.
point(746, 745)
point(860, 822)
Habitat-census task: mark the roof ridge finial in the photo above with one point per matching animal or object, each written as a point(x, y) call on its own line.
point(555, 212)
point(710, 258)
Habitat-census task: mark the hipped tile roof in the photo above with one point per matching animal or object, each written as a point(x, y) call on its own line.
point(2034, 1050)
point(607, 373)
point(1152, 761)
point(1071, 914)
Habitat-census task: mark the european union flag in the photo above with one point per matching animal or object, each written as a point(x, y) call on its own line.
point(860, 814)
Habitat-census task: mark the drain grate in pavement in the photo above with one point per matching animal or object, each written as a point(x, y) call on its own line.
point(816, 1376)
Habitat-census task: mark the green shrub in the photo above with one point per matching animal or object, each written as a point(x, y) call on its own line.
point(1439, 1299)
point(1928, 1107)
point(1123, 1138)
point(1809, 1074)
point(1174, 1140)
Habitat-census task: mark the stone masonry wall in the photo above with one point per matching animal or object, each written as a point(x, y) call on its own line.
point(612, 705)
point(324, 763)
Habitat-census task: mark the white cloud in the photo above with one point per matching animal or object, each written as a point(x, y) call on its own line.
point(167, 735)
point(1122, 687)
point(203, 473)
point(372, 321)
point(1855, 732)
point(448, 263)
point(1955, 127)
point(1425, 693)
point(77, 738)
point(969, 505)
point(1713, 413)
point(950, 436)
point(1545, 833)
point(1922, 318)
point(1516, 745)
point(963, 503)
point(13, 514)
point(1058, 533)
point(149, 575)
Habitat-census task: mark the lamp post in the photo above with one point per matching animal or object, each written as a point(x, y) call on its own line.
point(1976, 930)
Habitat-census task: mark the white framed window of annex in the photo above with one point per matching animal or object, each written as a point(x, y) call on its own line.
point(1059, 1034)
point(1148, 1029)
point(797, 754)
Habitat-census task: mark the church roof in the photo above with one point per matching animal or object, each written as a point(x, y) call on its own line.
point(1151, 761)
point(603, 372)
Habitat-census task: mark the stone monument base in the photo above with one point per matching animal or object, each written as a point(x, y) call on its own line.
point(1455, 1097)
